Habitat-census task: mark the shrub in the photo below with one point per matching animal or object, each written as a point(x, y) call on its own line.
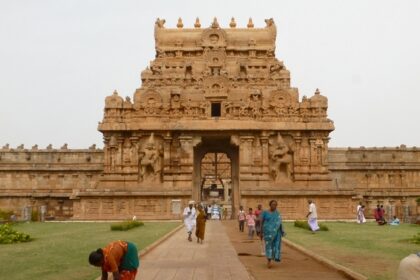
point(304, 225)
point(415, 239)
point(8, 235)
point(126, 225)
point(5, 215)
point(418, 200)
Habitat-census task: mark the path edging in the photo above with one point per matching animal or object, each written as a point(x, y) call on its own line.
point(342, 269)
point(150, 247)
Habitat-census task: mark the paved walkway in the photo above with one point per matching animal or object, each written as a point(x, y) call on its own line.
point(178, 259)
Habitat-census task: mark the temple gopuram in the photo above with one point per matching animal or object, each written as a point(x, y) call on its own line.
point(215, 120)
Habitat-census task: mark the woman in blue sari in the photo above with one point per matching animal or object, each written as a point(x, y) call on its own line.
point(272, 232)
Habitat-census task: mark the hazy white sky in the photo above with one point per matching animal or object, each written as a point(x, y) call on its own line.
point(59, 60)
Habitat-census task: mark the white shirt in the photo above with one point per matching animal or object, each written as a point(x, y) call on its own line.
point(312, 210)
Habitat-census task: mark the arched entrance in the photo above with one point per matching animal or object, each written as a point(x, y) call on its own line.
point(216, 172)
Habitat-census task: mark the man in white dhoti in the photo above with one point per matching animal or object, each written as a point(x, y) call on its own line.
point(409, 268)
point(312, 216)
point(190, 218)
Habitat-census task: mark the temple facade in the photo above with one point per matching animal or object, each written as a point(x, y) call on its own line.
point(214, 120)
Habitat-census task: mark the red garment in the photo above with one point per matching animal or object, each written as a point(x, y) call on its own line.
point(377, 214)
point(257, 213)
point(113, 254)
point(128, 274)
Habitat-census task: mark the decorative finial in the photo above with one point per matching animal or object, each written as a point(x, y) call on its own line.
point(115, 92)
point(317, 91)
point(180, 24)
point(250, 23)
point(197, 23)
point(232, 23)
point(215, 24)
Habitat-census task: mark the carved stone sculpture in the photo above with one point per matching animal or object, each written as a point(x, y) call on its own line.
point(280, 159)
point(150, 161)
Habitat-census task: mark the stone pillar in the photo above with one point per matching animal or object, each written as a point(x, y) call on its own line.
point(264, 148)
point(167, 140)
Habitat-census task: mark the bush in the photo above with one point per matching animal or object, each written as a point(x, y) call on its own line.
point(8, 235)
point(126, 225)
point(418, 200)
point(415, 239)
point(304, 225)
point(5, 215)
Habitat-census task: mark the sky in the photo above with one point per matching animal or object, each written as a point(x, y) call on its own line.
point(59, 59)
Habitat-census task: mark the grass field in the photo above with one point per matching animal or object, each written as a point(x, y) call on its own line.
point(374, 251)
point(60, 250)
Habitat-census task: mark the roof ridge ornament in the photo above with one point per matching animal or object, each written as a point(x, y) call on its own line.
point(197, 23)
point(215, 24)
point(232, 23)
point(250, 23)
point(180, 24)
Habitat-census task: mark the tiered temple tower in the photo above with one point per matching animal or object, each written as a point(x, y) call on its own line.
point(211, 90)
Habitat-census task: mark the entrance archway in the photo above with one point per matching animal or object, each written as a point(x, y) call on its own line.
point(216, 162)
point(216, 178)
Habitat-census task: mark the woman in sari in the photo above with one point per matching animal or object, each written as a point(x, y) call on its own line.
point(272, 232)
point(119, 257)
point(201, 224)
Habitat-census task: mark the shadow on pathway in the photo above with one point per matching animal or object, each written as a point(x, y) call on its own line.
point(294, 265)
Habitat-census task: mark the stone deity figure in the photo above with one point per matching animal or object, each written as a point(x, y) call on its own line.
point(280, 159)
point(150, 161)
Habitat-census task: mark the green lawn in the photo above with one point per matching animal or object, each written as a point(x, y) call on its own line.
point(60, 250)
point(372, 250)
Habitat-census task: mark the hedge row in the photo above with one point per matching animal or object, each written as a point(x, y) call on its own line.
point(8, 235)
point(304, 225)
point(126, 225)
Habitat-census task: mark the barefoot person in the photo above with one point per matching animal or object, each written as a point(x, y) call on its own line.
point(189, 218)
point(201, 224)
point(312, 216)
point(272, 232)
point(119, 257)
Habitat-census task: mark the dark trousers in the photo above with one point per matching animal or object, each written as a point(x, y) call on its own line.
point(241, 226)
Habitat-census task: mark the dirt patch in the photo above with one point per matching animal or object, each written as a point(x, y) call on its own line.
point(294, 265)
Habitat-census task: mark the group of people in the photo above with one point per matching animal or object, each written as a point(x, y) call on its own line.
point(378, 214)
point(267, 224)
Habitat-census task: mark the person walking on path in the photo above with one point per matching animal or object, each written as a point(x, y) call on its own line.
point(209, 212)
point(225, 213)
point(360, 210)
point(272, 232)
point(312, 216)
point(189, 218)
point(119, 257)
point(250, 222)
point(257, 214)
point(241, 218)
point(201, 224)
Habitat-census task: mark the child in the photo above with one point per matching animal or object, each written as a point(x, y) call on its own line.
point(241, 218)
point(250, 222)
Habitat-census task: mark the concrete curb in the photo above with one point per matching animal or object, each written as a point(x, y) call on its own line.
point(338, 267)
point(149, 248)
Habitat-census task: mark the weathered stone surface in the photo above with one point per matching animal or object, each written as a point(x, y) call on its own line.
point(210, 90)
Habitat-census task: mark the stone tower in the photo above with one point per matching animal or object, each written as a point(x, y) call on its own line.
point(211, 90)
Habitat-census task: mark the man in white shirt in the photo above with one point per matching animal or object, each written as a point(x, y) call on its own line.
point(190, 218)
point(312, 216)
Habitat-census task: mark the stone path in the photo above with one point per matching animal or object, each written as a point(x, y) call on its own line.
point(294, 264)
point(178, 259)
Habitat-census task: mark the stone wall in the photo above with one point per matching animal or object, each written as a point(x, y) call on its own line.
point(51, 177)
point(66, 182)
point(386, 176)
